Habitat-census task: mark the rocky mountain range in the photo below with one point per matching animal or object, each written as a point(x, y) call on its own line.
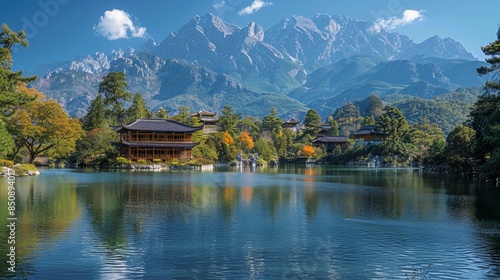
point(319, 62)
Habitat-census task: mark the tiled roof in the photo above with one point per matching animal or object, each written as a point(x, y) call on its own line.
point(158, 125)
point(291, 121)
point(188, 145)
point(367, 130)
point(205, 118)
point(204, 113)
point(330, 139)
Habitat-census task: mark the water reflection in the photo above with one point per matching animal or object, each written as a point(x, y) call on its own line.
point(287, 221)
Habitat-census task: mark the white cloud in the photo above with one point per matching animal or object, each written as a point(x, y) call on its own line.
point(254, 7)
point(116, 24)
point(409, 16)
point(219, 4)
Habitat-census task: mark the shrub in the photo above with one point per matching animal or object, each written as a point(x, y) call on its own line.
point(23, 169)
point(142, 161)
point(7, 163)
point(122, 160)
point(200, 162)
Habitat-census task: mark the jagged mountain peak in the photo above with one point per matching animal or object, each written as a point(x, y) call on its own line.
point(436, 46)
point(211, 21)
point(149, 46)
point(254, 31)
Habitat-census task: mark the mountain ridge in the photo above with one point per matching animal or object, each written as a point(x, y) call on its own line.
point(300, 60)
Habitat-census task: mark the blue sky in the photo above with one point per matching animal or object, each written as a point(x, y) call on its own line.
point(61, 29)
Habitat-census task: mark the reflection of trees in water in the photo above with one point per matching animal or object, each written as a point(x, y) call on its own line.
point(487, 214)
point(45, 209)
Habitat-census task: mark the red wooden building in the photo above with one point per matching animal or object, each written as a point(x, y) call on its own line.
point(156, 139)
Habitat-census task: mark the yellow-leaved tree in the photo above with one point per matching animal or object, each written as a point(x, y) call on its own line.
point(43, 127)
point(308, 151)
point(246, 141)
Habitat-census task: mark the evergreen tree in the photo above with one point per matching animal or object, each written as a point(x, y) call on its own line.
point(348, 111)
point(10, 95)
point(485, 114)
point(460, 148)
point(271, 122)
point(96, 115)
point(162, 113)
point(138, 109)
point(334, 127)
point(114, 88)
point(229, 120)
point(395, 126)
point(374, 106)
point(312, 123)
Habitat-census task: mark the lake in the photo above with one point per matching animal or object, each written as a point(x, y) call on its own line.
point(287, 222)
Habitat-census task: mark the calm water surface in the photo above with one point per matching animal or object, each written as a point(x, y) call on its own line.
point(291, 222)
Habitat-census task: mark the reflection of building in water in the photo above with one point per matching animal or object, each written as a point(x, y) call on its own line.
point(156, 139)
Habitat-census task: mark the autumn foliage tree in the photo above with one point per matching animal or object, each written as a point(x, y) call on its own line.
point(246, 141)
point(43, 127)
point(308, 151)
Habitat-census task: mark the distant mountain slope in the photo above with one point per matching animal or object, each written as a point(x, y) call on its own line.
point(186, 84)
point(322, 61)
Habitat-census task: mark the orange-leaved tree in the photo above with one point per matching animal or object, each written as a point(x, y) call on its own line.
point(308, 151)
point(246, 140)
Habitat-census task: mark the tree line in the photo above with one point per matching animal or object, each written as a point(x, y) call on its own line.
point(32, 125)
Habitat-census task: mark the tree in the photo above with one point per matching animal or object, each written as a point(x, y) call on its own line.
point(95, 145)
point(138, 109)
point(271, 122)
point(205, 151)
point(114, 88)
point(374, 106)
point(348, 111)
point(421, 137)
point(262, 148)
point(227, 138)
point(249, 125)
point(334, 127)
point(348, 118)
point(43, 127)
point(229, 120)
point(308, 151)
point(460, 147)
point(6, 141)
point(246, 141)
point(369, 120)
point(11, 82)
point(394, 125)
point(162, 113)
point(485, 114)
point(184, 116)
point(96, 115)
point(312, 122)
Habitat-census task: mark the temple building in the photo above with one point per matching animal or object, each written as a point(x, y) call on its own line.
point(156, 139)
point(330, 142)
point(209, 120)
point(291, 124)
point(369, 135)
